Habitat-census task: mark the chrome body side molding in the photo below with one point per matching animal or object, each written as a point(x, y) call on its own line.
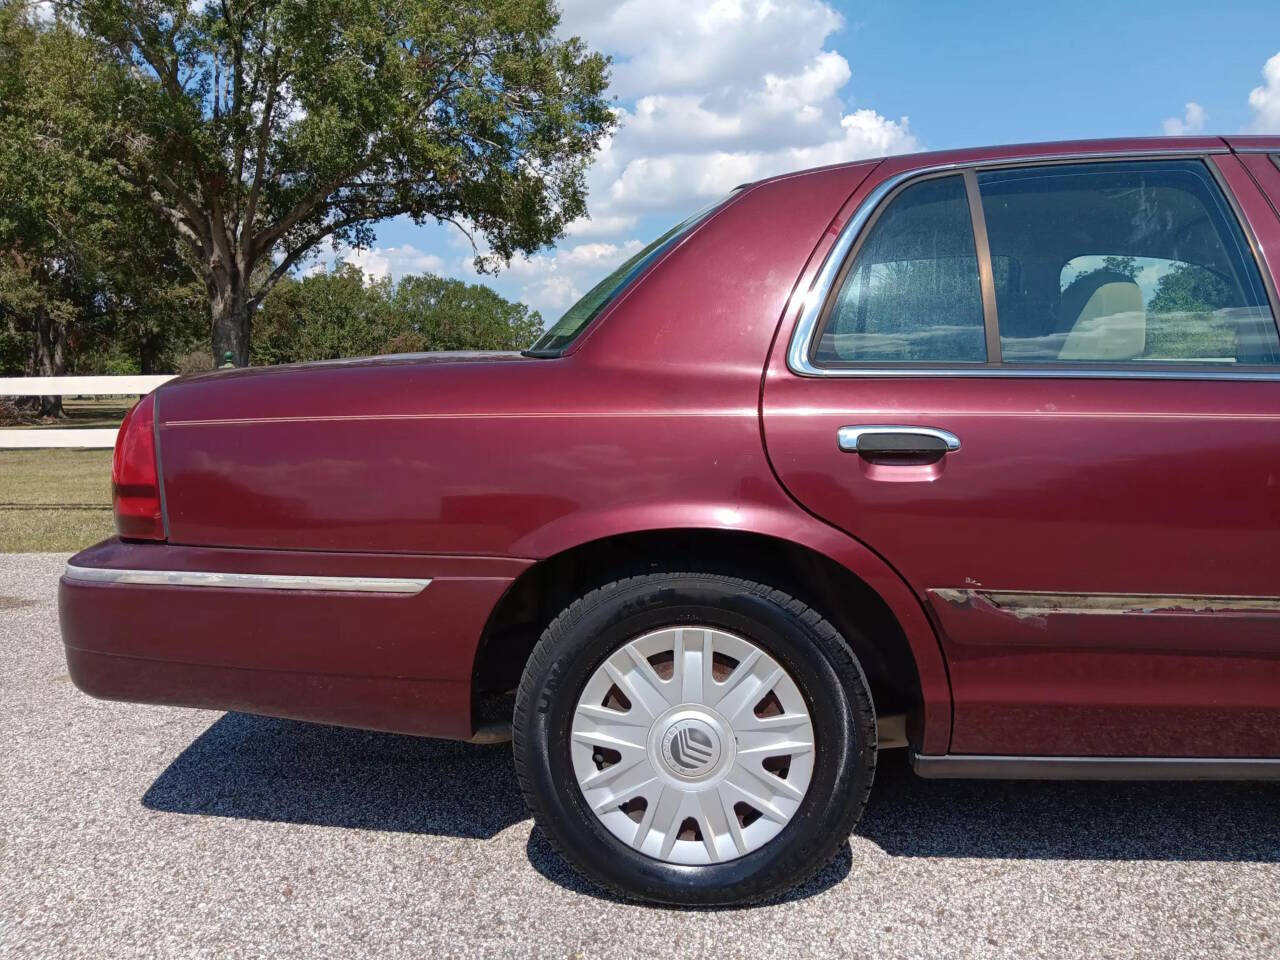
point(246, 581)
point(990, 767)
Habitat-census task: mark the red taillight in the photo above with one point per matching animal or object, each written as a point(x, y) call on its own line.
point(135, 486)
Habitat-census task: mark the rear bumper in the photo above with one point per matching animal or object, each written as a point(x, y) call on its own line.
point(309, 636)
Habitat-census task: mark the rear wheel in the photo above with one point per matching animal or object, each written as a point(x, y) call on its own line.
point(694, 738)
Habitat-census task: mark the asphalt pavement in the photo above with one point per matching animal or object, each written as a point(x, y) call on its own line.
point(133, 831)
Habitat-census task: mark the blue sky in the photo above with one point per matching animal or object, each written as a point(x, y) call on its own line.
point(715, 92)
point(975, 73)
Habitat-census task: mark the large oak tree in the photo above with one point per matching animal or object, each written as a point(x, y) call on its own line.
point(260, 128)
point(81, 258)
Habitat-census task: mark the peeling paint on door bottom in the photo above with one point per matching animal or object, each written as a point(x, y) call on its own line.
point(1028, 605)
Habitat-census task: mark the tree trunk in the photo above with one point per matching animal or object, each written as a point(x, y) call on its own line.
point(231, 319)
point(51, 357)
point(147, 350)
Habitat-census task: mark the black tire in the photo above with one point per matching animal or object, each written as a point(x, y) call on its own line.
point(818, 659)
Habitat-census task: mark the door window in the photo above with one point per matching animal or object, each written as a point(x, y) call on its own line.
point(1124, 262)
point(912, 291)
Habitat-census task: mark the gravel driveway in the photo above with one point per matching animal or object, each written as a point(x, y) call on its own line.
point(146, 831)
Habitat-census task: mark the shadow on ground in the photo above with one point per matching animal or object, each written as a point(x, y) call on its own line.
point(993, 819)
point(551, 865)
point(262, 768)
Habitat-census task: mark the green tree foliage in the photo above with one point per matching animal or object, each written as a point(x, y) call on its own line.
point(338, 314)
point(434, 313)
point(1125, 266)
point(1190, 288)
point(51, 194)
point(259, 129)
point(82, 260)
point(1182, 319)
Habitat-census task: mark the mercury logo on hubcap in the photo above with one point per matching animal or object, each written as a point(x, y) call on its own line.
point(663, 737)
point(690, 747)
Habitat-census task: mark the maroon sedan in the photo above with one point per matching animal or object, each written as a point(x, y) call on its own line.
point(976, 453)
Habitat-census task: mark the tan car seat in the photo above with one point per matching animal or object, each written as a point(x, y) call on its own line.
point(1110, 323)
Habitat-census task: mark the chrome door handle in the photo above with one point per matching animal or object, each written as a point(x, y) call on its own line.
point(882, 438)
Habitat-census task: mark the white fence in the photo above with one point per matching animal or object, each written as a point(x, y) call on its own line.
point(34, 438)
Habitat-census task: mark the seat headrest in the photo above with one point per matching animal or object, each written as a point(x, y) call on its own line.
point(1105, 318)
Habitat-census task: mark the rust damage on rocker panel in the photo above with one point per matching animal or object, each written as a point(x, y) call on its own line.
point(1026, 605)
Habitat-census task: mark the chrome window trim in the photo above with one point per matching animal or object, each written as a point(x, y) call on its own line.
point(1053, 373)
point(814, 301)
point(1250, 238)
point(800, 345)
point(246, 581)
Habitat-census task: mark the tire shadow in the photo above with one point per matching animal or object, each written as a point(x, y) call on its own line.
point(263, 768)
point(544, 859)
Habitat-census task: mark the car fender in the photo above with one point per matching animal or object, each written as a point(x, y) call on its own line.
point(787, 523)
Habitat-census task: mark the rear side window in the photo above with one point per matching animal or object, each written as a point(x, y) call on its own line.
point(911, 292)
point(1124, 262)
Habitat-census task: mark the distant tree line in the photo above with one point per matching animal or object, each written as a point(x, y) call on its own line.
point(341, 314)
point(167, 166)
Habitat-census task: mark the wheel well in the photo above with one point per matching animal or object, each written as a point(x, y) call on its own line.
point(546, 588)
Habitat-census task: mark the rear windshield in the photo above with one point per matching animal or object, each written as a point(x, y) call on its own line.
point(565, 330)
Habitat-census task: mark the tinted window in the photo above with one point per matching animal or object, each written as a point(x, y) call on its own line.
point(912, 290)
point(1124, 262)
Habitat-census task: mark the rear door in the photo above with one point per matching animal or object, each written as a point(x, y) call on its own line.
point(1047, 394)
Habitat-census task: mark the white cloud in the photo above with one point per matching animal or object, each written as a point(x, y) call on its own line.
point(694, 46)
point(1191, 122)
point(550, 282)
point(724, 91)
point(550, 294)
point(1264, 101)
point(600, 226)
point(681, 181)
point(377, 263)
point(710, 94)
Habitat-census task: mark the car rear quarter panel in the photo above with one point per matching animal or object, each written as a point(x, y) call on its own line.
point(381, 661)
point(658, 406)
point(651, 422)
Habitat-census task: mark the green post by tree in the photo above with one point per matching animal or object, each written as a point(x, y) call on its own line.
point(257, 130)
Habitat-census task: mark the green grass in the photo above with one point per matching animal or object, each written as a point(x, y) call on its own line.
point(54, 500)
point(84, 413)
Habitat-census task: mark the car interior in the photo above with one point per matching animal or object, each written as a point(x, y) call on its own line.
point(1111, 262)
point(1121, 262)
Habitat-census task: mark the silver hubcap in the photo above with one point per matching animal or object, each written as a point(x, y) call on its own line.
point(692, 745)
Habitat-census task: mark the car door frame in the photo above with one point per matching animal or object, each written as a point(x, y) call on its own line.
point(1229, 174)
point(792, 357)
